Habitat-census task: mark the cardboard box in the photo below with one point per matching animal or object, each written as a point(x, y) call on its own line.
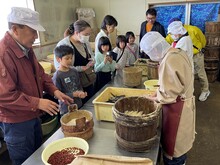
point(103, 109)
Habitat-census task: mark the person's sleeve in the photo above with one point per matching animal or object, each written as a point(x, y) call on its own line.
point(123, 61)
point(99, 64)
point(96, 42)
point(112, 66)
point(162, 31)
point(90, 50)
point(136, 51)
point(10, 95)
point(201, 37)
point(170, 88)
point(141, 32)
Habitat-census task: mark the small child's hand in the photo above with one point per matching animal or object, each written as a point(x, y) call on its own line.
point(110, 59)
point(80, 94)
point(84, 67)
point(106, 59)
point(90, 63)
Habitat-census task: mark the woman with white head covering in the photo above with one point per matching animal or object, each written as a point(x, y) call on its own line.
point(175, 93)
point(181, 38)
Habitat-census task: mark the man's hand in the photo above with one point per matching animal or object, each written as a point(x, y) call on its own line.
point(48, 106)
point(62, 97)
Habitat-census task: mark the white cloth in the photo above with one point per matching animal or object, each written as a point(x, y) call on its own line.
point(185, 43)
point(154, 45)
point(123, 60)
point(176, 27)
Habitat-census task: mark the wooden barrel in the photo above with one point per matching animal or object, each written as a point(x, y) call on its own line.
point(152, 69)
point(132, 76)
point(212, 74)
point(142, 63)
point(77, 123)
point(212, 27)
point(136, 133)
point(212, 53)
point(212, 40)
point(211, 63)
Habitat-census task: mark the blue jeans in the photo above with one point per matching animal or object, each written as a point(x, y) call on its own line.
point(22, 139)
point(175, 161)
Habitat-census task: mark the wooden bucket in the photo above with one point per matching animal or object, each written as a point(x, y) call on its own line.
point(211, 63)
point(152, 69)
point(132, 76)
point(212, 53)
point(212, 74)
point(81, 127)
point(136, 133)
point(212, 27)
point(142, 63)
point(212, 40)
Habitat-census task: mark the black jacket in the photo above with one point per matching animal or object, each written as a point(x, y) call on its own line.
point(156, 27)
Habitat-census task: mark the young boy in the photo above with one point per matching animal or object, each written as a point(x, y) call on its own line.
point(66, 78)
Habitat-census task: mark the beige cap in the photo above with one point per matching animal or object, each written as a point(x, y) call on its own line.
point(25, 16)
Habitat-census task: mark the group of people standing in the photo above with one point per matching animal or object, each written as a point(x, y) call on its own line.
point(105, 61)
point(23, 80)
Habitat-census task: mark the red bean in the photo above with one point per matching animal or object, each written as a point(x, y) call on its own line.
point(65, 156)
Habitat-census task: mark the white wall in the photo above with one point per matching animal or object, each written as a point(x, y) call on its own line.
point(129, 13)
point(55, 16)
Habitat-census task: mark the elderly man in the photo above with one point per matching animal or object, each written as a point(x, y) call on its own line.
point(22, 82)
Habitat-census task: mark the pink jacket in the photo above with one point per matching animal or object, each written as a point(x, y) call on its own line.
point(22, 83)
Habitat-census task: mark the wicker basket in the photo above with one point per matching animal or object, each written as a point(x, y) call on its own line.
point(83, 127)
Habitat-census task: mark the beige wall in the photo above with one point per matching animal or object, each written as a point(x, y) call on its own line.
point(55, 16)
point(129, 13)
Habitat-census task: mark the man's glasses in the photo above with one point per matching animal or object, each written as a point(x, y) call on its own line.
point(151, 18)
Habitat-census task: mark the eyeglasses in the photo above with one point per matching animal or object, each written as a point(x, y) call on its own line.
point(151, 18)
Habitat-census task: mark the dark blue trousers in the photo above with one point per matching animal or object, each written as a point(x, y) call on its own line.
point(22, 139)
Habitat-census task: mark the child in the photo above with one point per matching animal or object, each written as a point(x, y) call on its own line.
point(66, 78)
point(132, 48)
point(122, 56)
point(104, 63)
